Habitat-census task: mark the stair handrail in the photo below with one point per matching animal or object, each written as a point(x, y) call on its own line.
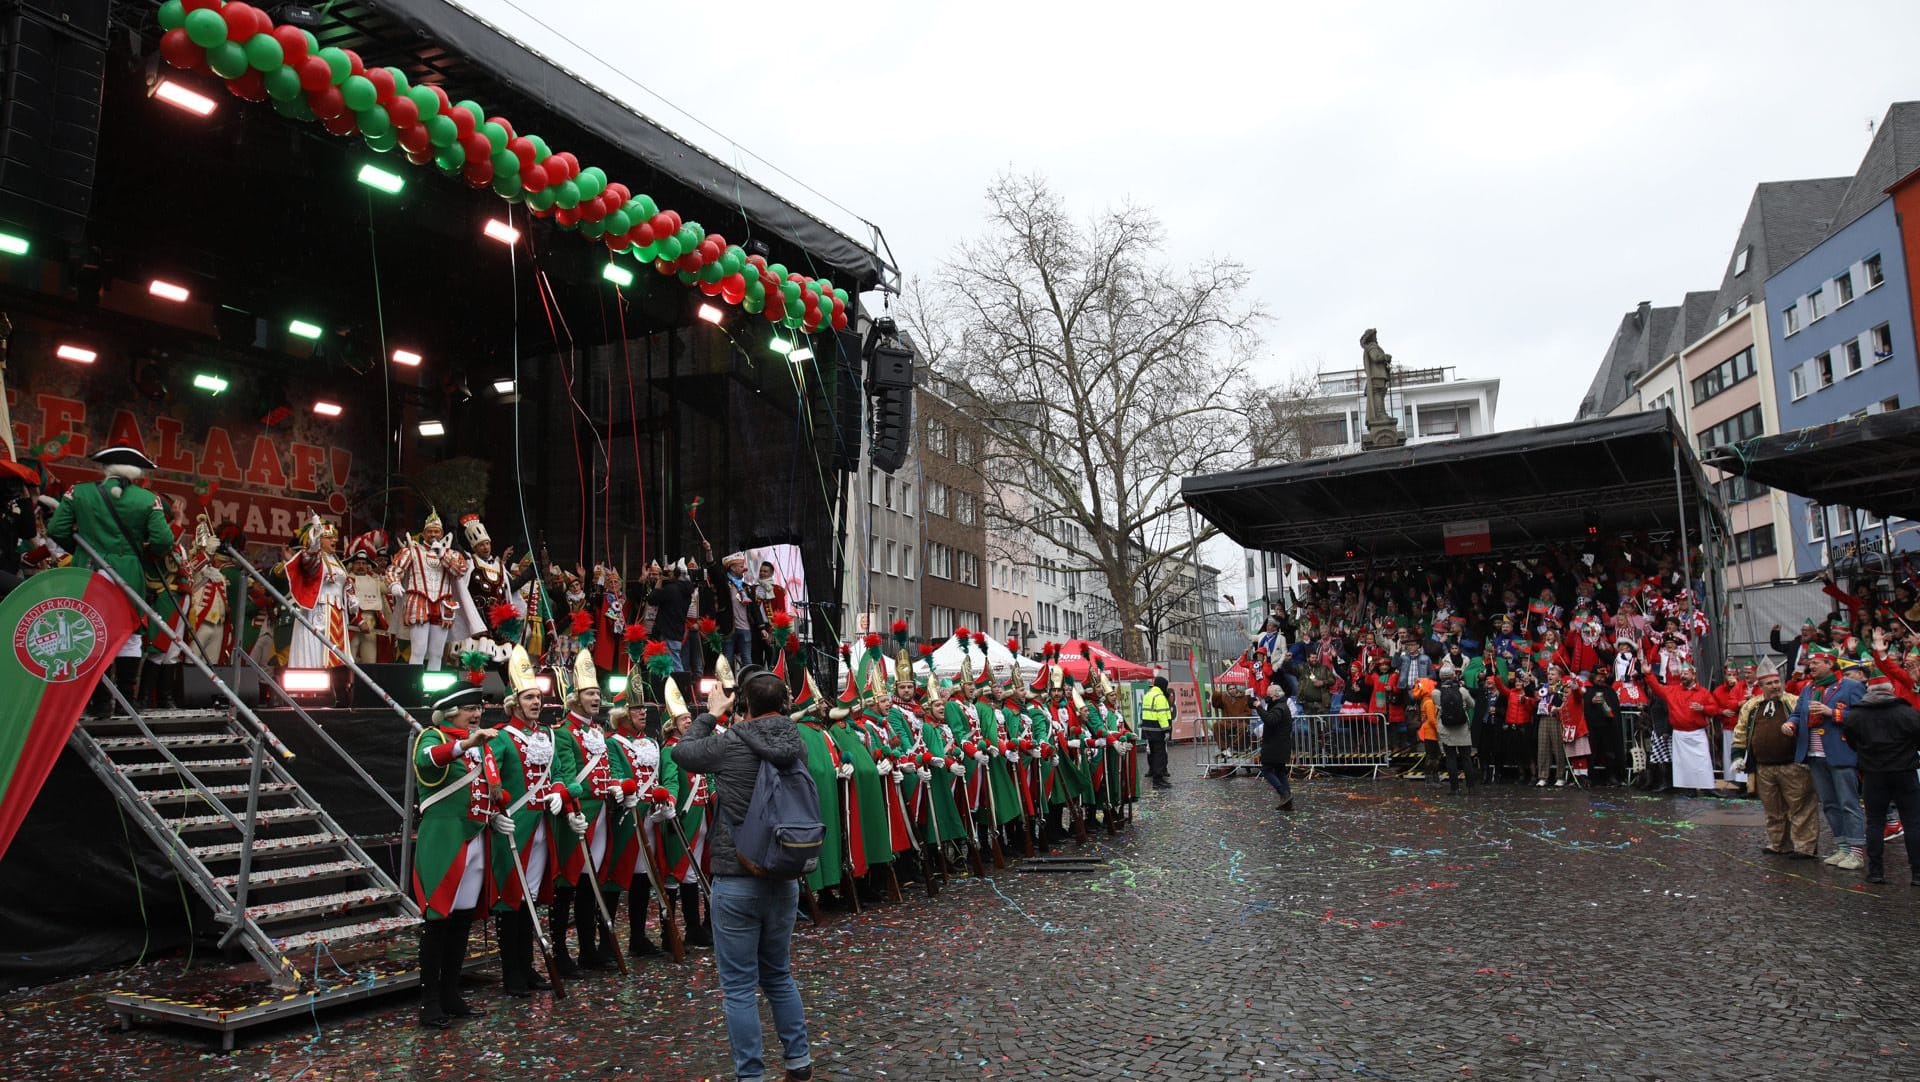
point(179, 767)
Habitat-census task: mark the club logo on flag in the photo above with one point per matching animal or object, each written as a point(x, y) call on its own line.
point(1466, 538)
point(61, 639)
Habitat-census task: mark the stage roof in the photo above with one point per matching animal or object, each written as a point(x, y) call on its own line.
point(1557, 483)
point(1871, 463)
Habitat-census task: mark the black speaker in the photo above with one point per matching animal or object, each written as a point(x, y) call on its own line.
point(892, 427)
point(53, 60)
point(847, 396)
point(892, 366)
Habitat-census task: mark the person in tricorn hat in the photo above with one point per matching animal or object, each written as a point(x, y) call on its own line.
point(126, 525)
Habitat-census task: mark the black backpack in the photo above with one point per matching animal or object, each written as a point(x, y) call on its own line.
point(1453, 705)
point(781, 834)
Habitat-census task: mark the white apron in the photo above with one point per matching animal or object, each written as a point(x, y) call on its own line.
point(1692, 762)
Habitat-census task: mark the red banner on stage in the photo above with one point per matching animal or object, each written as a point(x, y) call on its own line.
point(1467, 538)
point(64, 628)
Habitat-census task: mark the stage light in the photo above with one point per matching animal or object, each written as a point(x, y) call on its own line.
point(13, 245)
point(706, 686)
point(502, 232)
point(617, 274)
point(210, 383)
point(435, 682)
point(302, 329)
point(375, 177)
point(780, 346)
point(503, 386)
point(181, 98)
point(406, 357)
point(616, 684)
point(1593, 531)
point(432, 428)
point(545, 682)
point(167, 291)
point(306, 681)
point(327, 409)
point(711, 314)
point(801, 355)
point(77, 354)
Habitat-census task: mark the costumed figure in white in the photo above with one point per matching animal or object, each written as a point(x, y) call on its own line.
point(371, 627)
point(204, 570)
point(424, 582)
point(317, 584)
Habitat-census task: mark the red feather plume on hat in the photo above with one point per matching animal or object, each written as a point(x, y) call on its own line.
point(581, 623)
point(926, 649)
point(501, 613)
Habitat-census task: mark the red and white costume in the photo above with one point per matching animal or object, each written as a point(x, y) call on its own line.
point(424, 581)
point(317, 585)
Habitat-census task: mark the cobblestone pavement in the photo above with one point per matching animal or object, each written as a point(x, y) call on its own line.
point(1383, 930)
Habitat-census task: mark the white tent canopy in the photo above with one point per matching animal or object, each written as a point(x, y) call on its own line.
point(946, 661)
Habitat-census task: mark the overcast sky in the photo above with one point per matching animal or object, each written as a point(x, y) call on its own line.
point(1490, 185)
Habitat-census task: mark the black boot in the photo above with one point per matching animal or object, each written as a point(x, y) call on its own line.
point(126, 677)
point(698, 932)
point(433, 946)
point(638, 944)
point(586, 920)
point(559, 915)
point(534, 967)
point(453, 961)
point(516, 953)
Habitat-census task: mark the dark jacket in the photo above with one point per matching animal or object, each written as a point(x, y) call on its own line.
point(1883, 731)
point(1276, 733)
point(731, 762)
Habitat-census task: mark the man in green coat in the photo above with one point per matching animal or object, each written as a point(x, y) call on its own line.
point(1004, 794)
point(450, 847)
point(127, 526)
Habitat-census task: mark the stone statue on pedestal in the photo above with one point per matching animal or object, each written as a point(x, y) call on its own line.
point(1377, 369)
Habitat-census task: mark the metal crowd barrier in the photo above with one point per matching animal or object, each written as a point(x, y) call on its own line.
point(1320, 742)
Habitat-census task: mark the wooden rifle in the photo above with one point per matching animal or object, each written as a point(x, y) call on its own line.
point(670, 936)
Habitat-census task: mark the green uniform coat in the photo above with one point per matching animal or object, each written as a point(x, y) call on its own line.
point(826, 872)
point(445, 829)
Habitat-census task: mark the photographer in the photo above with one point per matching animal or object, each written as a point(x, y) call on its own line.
point(1276, 733)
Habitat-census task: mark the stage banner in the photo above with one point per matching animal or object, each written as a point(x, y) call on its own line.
point(1467, 538)
point(64, 626)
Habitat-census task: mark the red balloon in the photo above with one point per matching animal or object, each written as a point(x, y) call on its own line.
point(249, 87)
point(573, 167)
point(178, 49)
point(293, 46)
point(354, 65)
point(342, 124)
point(719, 243)
point(241, 21)
point(710, 288)
point(463, 124)
point(315, 75)
point(567, 215)
point(420, 157)
point(196, 5)
point(383, 84)
point(440, 92)
point(643, 233)
point(840, 324)
point(478, 171)
point(414, 138)
point(475, 144)
point(522, 148)
point(538, 213)
point(619, 193)
point(664, 266)
point(404, 113)
point(533, 178)
point(328, 103)
point(590, 210)
point(688, 262)
point(502, 121)
point(758, 261)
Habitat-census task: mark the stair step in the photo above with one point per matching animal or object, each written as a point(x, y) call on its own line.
point(264, 817)
point(298, 873)
point(346, 933)
point(197, 766)
point(175, 740)
point(266, 847)
point(317, 906)
point(267, 788)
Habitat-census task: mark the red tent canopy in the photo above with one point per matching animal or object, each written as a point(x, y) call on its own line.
point(1077, 664)
point(1238, 673)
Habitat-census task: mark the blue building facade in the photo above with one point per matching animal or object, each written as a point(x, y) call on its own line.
point(1840, 328)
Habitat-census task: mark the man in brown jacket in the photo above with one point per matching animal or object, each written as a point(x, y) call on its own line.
point(1764, 739)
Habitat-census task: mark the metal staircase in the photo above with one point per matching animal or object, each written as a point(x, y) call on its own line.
point(284, 879)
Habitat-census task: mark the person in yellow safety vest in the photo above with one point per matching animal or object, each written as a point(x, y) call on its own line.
point(1156, 720)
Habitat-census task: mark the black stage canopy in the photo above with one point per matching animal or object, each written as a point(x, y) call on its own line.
point(1870, 463)
point(1534, 487)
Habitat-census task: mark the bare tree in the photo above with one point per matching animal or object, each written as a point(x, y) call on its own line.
point(1100, 377)
point(1286, 418)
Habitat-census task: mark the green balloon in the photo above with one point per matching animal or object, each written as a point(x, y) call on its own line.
point(173, 15)
point(791, 290)
point(400, 83)
point(358, 93)
point(540, 151)
point(426, 99)
point(648, 252)
point(618, 222)
point(734, 260)
point(667, 248)
point(496, 136)
point(841, 296)
point(505, 164)
point(264, 53)
point(205, 28)
point(338, 62)
point(542, 199)
point(313, 43)
point(778, 270)
point(373, 120)
point(506, 185)
point(289, 107)
point(687, 277)
point(712, 272)
point(283, 83)
point(441, 130)
point(473, 109)
point(383, 142)
point(648, 208)
point(568, 196)
point(753, 305)
point(596, 176)
point(593, 230)
point(228, 61)
point(451, 157)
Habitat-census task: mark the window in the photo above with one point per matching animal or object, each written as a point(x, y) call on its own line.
point(1823, 369)
point(1744, 425)
point(873, 487)
point(1740, 260)
point(1816, 306)
point(1327, 432)
point(1887, 405)
point(906, 498)
point(1816, 522)
point(1733, 370)
point(940, 621)
point(873, 553)
point(887, 493)
point(1799, 381)
point(1851, 351)
point(937, 497)
point(1737, 489)
point(906, 561)
point(1874, 275)
point(964, 508)
point(893, 613)
point(893, 558)
point(969, 569)
point(1843, 289)
point(1869, 520)
point(962, 448)
point(1882, 343)
point(937, 438)
point(939, 561)
point(1450, 420)
point(1792, 317)
point(1665, 401)
point(1754, 544)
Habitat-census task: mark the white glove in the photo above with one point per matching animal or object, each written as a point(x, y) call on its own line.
point(925, 774)
point(845, 771)
point(958, 770)
point(662, 813)
point(577, 823)
point(553, 802)
point(979, 756)
point(993, 749)
point(899, 776)
point(880, 764)
point(631, 800)
point(1074, 744)
point(1013, 758)
point(502, 823)
point(1099, 741)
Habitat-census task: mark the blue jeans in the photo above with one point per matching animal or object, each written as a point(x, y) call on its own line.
point(673, 651)
point(1278, 779)
point(1839, 789)
point(752, 936)
point(740, 648)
